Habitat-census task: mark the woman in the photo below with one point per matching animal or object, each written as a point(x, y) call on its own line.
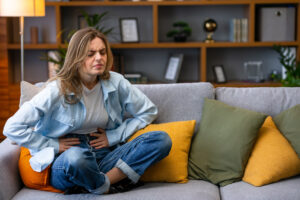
point(76, 123)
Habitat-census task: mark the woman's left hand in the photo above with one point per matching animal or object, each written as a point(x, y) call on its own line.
point(101, 141)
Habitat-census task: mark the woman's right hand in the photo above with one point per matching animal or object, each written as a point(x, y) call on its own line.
point(66, 143)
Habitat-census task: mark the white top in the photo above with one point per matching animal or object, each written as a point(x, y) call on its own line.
point(96, 114)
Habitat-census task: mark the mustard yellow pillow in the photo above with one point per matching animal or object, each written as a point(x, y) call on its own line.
point(172, 168)
point(272, 158)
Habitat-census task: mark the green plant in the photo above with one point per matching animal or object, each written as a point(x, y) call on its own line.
point(292, 67)
point(95, 21)
point(180, 32)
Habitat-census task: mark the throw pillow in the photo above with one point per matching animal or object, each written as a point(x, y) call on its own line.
point(222, 146)
point(28, 91)
point(288, 124)
point(33, 179)
point(172, 168)
point(272, 158)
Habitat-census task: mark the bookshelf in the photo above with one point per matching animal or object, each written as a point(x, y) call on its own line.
point(155, 19)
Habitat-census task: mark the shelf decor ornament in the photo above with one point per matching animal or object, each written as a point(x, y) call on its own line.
point(288, 60)
point(181, 32)
point(22, 8)
point(173, 68)
point(129, 29)
point(210, 27)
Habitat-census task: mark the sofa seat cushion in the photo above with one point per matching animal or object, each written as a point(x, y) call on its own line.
point(193, 190)
point(287, 189)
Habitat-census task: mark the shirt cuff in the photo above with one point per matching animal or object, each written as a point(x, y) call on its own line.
point(112, 138)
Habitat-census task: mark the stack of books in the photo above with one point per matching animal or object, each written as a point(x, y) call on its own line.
point(239, 30)
point(136, 78)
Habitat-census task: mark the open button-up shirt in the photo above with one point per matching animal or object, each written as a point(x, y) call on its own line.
point(39, 122)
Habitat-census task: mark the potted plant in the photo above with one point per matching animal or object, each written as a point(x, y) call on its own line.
point(95, 21)
point(180, 32)
point(292, 67)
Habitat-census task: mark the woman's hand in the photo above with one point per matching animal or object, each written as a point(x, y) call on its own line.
point(66, 143)
point(101, 140)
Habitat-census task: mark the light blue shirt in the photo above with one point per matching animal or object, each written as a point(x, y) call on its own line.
point(39, 122)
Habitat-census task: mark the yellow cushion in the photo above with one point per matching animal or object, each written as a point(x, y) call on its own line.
point(172, 168)
point(33, 179)
point(272, 158)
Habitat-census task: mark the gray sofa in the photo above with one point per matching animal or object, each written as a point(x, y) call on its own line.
point(177, 102)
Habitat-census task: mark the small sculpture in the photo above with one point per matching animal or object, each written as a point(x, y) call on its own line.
point(209, 26)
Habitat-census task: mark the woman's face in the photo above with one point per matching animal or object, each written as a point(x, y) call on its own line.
point(95, 62)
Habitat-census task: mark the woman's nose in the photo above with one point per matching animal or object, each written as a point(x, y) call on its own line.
point(98, 55)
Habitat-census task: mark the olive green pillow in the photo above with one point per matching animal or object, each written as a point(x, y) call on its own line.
point(223, 144)
point(288, 122)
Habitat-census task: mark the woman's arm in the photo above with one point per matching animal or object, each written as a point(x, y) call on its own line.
point(139, 106)
point(20, 127)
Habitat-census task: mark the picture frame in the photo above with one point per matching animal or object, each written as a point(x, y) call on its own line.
point(219, 74)
point(173, 68)
point(129, 30)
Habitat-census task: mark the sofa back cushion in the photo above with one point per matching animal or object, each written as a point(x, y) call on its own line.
point(270, 101)
point(178, 102)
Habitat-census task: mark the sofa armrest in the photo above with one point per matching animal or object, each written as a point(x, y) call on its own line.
point(10, 182)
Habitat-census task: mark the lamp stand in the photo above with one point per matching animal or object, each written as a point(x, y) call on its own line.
point(22, 46)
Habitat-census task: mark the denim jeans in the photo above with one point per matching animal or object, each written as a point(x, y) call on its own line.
point(86, 166)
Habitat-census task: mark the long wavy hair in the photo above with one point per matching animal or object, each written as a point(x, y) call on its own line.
point(70, 82)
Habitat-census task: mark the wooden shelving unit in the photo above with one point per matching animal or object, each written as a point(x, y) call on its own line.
point(8, 86)
point(156, 43)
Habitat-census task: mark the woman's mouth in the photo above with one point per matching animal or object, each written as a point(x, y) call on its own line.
point(98, 66)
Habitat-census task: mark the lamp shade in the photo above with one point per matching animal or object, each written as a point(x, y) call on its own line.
point(17, 8)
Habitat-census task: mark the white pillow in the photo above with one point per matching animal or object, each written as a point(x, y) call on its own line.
point(28, 91)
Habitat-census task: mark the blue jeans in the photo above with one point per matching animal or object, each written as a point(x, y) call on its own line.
point(85, 166)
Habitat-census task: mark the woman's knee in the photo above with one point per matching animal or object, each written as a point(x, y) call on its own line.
point(166, 142)
point(162, 141)
point(75, 157)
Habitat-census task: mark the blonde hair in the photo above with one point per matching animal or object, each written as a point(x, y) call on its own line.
point(78, 48)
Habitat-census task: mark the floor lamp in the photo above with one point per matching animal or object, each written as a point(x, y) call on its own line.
point(22, 8)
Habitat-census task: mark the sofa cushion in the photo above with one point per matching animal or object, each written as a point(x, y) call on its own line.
point(221, 148)
point(28, 91)
point(287, 189)
point(192, 190)
point(268, 100)
point(172, 168)
point(178, 102)
point(32, 179)
point(272, 158)
point(288, 124)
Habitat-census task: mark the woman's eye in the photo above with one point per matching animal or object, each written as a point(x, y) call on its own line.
point(90, 54)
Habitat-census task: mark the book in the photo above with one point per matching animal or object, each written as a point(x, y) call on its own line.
point(238, 30)
point(136, 78)
point(244, 30)
point(118, 63)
